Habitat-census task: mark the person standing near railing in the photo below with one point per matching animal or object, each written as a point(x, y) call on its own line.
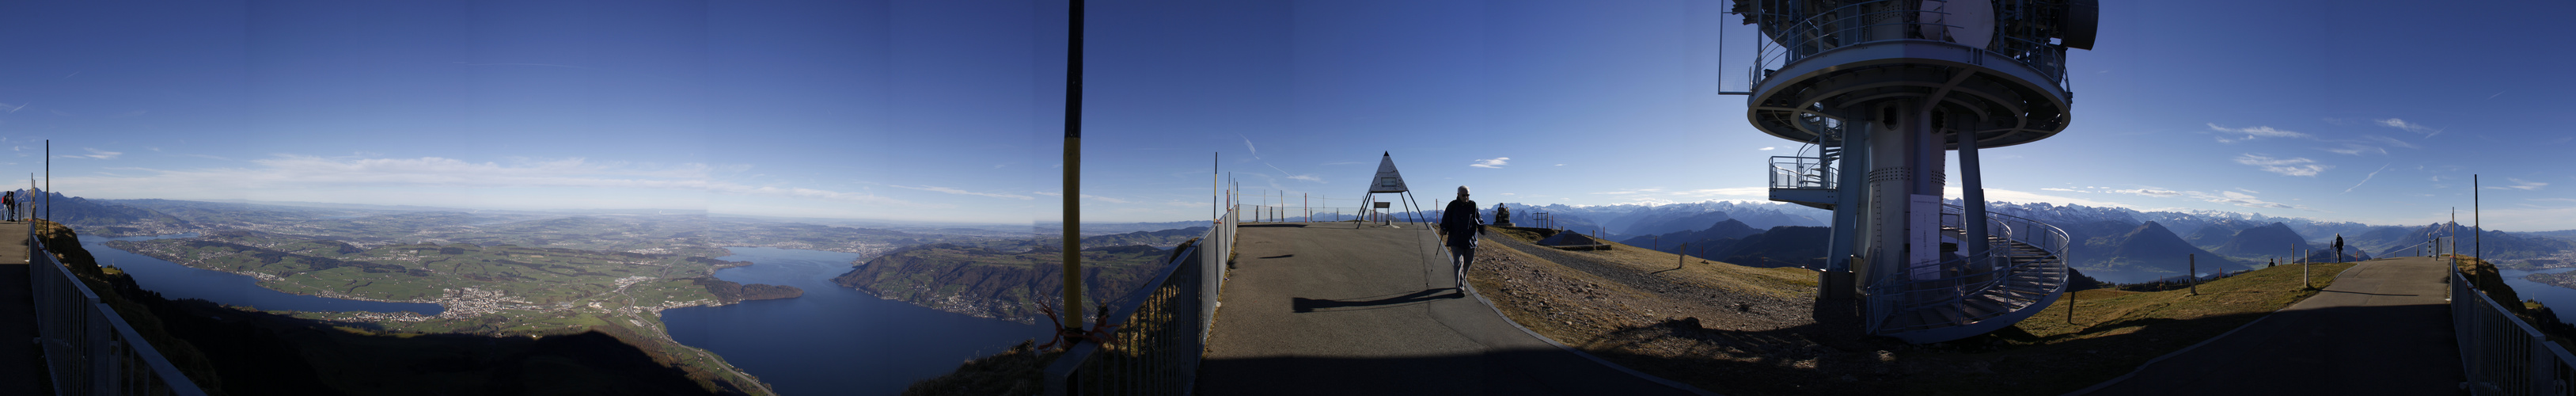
point(1461, 223)
point(9, 201)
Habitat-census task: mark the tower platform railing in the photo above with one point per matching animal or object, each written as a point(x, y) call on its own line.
point(1796, 38)
point(1802, 173)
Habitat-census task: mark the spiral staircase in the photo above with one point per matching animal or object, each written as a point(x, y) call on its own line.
point(2023, 271)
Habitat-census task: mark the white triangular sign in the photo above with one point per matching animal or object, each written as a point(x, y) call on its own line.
point(1387, 180)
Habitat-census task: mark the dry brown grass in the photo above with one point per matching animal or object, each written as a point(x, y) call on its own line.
point(1775, 282)
point(2112, 332)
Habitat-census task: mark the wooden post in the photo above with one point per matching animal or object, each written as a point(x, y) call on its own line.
point(1684, 258)
point(2070, 307)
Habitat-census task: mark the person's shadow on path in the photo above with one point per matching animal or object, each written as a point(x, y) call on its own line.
point(1304, 305)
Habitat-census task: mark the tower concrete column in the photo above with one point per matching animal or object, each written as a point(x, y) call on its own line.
point(1972, 195)
point(1845, 275)
point(1905, 184)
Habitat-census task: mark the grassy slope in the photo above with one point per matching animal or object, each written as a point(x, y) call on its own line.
point(2112, 333)
point(1778, 282)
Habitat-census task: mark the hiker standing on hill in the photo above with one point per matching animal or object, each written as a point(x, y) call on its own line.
point(2339, 248)
point(1461, 223)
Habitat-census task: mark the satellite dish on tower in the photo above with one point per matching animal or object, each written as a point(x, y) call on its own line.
point(1970, 23)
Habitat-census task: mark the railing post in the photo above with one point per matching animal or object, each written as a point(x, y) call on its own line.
point(2539, 371)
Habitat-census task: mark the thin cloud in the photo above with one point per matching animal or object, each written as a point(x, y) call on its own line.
point(1086, 196)
point(2241, 199)
point(1247, 145)
point(2003, 195)
point(1726, 192)
point(2060, 189)
point(94, 154)
point(2284, 166)
point(2255, 132)
point(1770, 148)
point(1310, 178)
point(1631, 191)
point(2150, 192)
point(2388, 141)
point(1496, 162)
point(2364, 180)
point(939, 189)
point(2519, 184)
point(2414, 127)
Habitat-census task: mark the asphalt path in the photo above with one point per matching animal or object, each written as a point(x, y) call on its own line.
point(1339, 309)
point(2383, 328)
point(20, 373)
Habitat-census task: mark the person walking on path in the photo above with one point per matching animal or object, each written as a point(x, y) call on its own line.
point(1461, 223)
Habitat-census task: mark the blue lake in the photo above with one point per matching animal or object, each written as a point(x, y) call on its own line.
point(178, 281)
point(834, 340)
point(2559, 299)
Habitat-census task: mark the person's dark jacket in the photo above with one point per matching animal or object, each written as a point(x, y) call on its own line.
point(1461, 222)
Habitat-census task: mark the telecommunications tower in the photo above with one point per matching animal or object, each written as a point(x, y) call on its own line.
point(1879, 91)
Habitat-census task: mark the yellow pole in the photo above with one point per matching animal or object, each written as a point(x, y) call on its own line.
point(1072, 320)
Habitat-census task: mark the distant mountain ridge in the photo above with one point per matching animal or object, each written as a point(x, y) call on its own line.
point(1624, 221)
point(99, 217)
point(2150, 250)
point(2270, 240)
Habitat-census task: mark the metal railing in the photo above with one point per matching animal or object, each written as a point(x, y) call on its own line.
point(1802, 172)
point(89, 349)
point(1163, 326)
point(1894, 293)
point(2499, 353)
point(1784, 41)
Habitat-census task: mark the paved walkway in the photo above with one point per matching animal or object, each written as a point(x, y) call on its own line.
point(2382, 329)
point(1329, 309)
point(19, 368)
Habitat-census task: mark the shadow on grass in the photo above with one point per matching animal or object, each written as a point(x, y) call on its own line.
point(1822, 359)
point(1808, 360)
point(2373, 294)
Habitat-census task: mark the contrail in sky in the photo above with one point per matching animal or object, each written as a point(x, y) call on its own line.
point(2364, 180)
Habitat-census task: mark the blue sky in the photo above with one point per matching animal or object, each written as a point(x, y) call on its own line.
point(2375, 112)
